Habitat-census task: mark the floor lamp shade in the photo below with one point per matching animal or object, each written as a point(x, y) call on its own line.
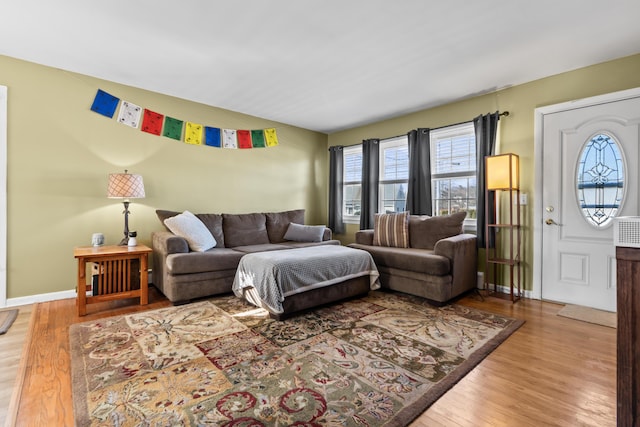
point(502, 172)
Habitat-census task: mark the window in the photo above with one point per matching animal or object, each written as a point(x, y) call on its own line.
point(394, 175)
point(600, 180)
point(453, 171)
point(352, 158)
point(453, 174)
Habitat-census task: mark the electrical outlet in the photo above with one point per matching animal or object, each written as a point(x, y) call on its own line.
point(523, 199)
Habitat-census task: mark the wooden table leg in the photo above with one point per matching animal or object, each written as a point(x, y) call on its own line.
point(144, 280)
point(82, 287)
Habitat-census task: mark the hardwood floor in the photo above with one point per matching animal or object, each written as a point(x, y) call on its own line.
point(11, 345)
point(552, 371)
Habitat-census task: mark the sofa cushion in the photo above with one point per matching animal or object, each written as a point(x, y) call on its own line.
point(198, 262)
point(391, 230)
point(425, 231)
point(244, 229)
point(304, 233)
point(266, 247)
point(417, 260)
point(164, 214)
point(278, 222)
point(294, 245)
point(212, 221)
point(189, 227)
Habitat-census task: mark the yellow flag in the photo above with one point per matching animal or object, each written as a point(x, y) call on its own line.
point(271, 137)
point(193, 134)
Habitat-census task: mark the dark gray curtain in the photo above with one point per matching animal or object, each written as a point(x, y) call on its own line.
point(336, 181)
point(486, 128)
point(419, 185)
point(370, 181)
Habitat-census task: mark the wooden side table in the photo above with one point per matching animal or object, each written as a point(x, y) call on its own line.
point(115, 274)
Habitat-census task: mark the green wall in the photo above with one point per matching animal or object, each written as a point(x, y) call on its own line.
point(60, 154)
point(516, 132)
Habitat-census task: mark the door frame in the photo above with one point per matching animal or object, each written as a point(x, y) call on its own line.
point(538, 159)
point(3, 196)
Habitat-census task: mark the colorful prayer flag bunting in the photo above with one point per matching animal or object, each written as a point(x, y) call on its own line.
point(104, 103)
point(152, 122)
point(193, 134)
point(158, 124)
point(129, 114)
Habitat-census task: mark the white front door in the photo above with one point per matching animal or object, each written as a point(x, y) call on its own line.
point(3, 196)
point(589, 174)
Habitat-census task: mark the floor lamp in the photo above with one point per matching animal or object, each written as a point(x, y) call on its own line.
point(502, 173)
point(125, 186)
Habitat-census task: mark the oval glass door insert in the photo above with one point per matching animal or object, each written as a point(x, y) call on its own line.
point(600, 180)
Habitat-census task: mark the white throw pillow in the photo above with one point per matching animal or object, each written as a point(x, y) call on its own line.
point(304, 233)
point(189, 227)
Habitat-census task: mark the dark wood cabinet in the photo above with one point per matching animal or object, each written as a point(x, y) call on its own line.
point(628, 352)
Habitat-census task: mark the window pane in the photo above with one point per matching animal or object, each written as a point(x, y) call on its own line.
point(393, 197)
point(600, 180)
point(455, 154)
point(452, 195)
point(396, 163)
point(352, 167)
point(441, 207)
point(351, 201)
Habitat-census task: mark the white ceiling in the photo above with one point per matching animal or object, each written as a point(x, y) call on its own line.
point(324, 65)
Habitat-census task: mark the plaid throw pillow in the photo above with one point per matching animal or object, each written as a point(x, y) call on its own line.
point(391, 230)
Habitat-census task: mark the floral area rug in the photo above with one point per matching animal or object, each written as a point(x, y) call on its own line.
point(380, 360)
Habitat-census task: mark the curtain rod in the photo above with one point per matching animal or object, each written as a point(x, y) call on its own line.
point(503, 114)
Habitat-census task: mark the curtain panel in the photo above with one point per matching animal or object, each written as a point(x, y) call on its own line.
point(419, 184)
point(486, 128)
point(370, 181)
point(336, 181)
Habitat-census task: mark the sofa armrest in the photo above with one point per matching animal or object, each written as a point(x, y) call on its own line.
point(364, 237)
point(452, 247)
point(328, 235)
point(463, 254)
point(165, 242)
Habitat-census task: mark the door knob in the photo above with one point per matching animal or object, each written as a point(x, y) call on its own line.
point(549, 221)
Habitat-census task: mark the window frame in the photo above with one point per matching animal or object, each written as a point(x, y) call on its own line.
point(393, 142)
point(470, 224)
point(350, 150)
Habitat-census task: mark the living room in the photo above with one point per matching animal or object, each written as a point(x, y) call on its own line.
point(59, 155)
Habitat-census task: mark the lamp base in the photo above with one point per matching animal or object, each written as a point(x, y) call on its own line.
point(124, 242)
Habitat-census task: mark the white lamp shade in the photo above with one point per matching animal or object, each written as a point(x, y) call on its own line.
point(502, 172)
point(125, 186)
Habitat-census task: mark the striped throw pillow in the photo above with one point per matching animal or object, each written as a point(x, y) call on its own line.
point(391, 230)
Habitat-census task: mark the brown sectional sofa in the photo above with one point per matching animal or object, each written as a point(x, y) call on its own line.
point(439, 264)
point(182, 274)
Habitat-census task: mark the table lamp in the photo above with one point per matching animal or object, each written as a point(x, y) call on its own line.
point(125, 186)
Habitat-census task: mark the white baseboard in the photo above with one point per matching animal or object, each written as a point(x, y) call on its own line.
point(506, 290)
point(53, 296)
point(32, 299)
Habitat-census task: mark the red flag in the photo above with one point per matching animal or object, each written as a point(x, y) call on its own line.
point(244, 139)
point(152, 122)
